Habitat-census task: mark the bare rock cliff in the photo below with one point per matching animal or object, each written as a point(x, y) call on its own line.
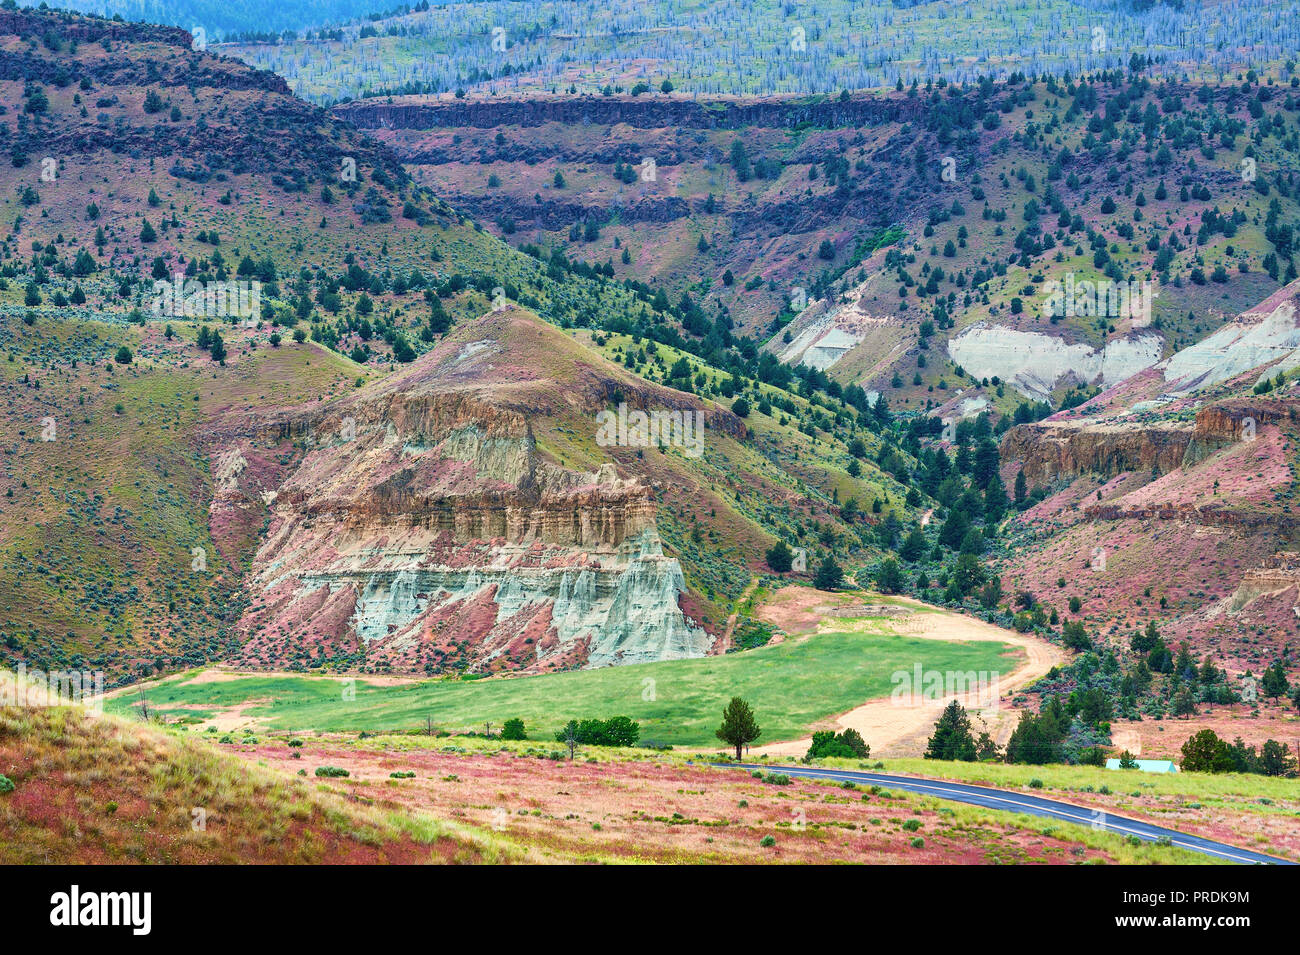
point(1048, 451)
point(423, 531)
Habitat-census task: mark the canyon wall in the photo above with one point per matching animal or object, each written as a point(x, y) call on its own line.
point(647, 113)
point(1225, 422)
point(1049, 451)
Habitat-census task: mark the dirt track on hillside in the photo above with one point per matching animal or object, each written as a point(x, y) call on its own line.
point(1126, 739)
point(901, 727)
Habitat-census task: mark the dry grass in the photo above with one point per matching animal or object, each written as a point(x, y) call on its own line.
point(631, 806)
point(96, 790)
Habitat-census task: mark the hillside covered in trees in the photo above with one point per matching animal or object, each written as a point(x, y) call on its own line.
point(727, 48)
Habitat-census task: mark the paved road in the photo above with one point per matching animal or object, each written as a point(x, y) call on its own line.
point(1013, 801)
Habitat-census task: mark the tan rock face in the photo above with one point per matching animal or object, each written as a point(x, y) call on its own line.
point(1048, 451)
point(1276, 575)
point(423, 530)
point(1226, 421)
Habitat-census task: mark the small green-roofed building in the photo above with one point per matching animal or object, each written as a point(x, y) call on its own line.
point(1147, 765)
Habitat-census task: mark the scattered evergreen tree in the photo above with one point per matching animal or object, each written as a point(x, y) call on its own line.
point(952, 737)
point(780, 558)
point(1206, 753)
point(829, 575)
point(889, 577)
point(1274, 682)
point(739, 728)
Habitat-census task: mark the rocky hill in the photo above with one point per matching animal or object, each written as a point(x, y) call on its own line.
point(1167, 499)
point(426, 524)
point(147, 444)
point(480, 510)
point(1011, 241)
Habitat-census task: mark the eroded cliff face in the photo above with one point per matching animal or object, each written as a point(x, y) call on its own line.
point(1225, 422)
point(1051, 450)
point(1277, 575)
point(1035, 363)
point(1048, 451)
point(423, 531)
point(612, 608)
point(640, 113)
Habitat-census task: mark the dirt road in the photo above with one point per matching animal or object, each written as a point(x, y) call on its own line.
point(901, 727)
point(1126, 739)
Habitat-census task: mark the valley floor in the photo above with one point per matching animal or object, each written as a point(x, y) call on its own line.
point(613, 805)
point(900, 727)
point(841, 668)
point(622, 807)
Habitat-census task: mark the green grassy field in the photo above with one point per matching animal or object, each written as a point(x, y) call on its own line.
point(791, 686)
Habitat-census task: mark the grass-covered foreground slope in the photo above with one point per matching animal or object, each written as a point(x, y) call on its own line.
point(795, 685)
point(103, 790)
point(128, 792)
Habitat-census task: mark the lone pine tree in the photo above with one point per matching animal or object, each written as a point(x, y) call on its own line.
point(738, 725)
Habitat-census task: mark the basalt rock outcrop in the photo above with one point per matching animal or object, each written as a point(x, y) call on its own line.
point(1048, 451)
point(557, 215)
point(235, 120)
point(1225, 422)
point(1051, 450)
point(88, 29)
point(1205, 515)
point(637, 112)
